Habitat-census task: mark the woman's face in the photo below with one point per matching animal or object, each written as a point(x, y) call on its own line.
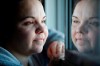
point(32, 31)
point(85, 29)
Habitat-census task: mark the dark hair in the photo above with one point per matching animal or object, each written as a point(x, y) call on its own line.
point(8, 18)
point(75, 3)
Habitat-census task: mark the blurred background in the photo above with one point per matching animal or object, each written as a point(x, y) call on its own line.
point(59, 14)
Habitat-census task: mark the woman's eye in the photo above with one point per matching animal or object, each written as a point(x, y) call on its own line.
point(43, 21)
point(27, 23)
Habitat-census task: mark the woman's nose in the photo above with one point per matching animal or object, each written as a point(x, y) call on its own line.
point(39, 29)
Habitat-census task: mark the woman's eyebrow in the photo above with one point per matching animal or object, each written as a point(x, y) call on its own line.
point(44, 17)
point(21, 19)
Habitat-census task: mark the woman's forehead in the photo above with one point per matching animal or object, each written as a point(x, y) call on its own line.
point(34, 9)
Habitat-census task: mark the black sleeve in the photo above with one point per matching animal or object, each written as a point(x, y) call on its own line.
point(72, 59)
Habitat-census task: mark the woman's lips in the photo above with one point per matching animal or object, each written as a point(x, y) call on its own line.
point(39, 39)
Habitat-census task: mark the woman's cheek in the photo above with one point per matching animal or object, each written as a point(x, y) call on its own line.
point(46, 32)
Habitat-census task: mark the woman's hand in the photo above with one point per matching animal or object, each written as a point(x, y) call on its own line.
point(56, 50)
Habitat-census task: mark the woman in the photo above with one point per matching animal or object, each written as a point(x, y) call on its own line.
point(23, 34)
point(23, 31)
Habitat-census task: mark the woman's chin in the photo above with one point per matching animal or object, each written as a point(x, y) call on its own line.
point(38, 49)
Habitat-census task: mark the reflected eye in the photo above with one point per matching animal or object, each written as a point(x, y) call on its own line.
point(75, 21)
point(95, 24)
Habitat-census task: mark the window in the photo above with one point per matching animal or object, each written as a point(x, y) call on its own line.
point(59, 17)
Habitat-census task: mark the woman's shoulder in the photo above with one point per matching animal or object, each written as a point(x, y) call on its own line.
point(7, 59)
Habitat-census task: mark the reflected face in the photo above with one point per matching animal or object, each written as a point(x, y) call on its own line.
point(32, 31)
point(85, 29)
